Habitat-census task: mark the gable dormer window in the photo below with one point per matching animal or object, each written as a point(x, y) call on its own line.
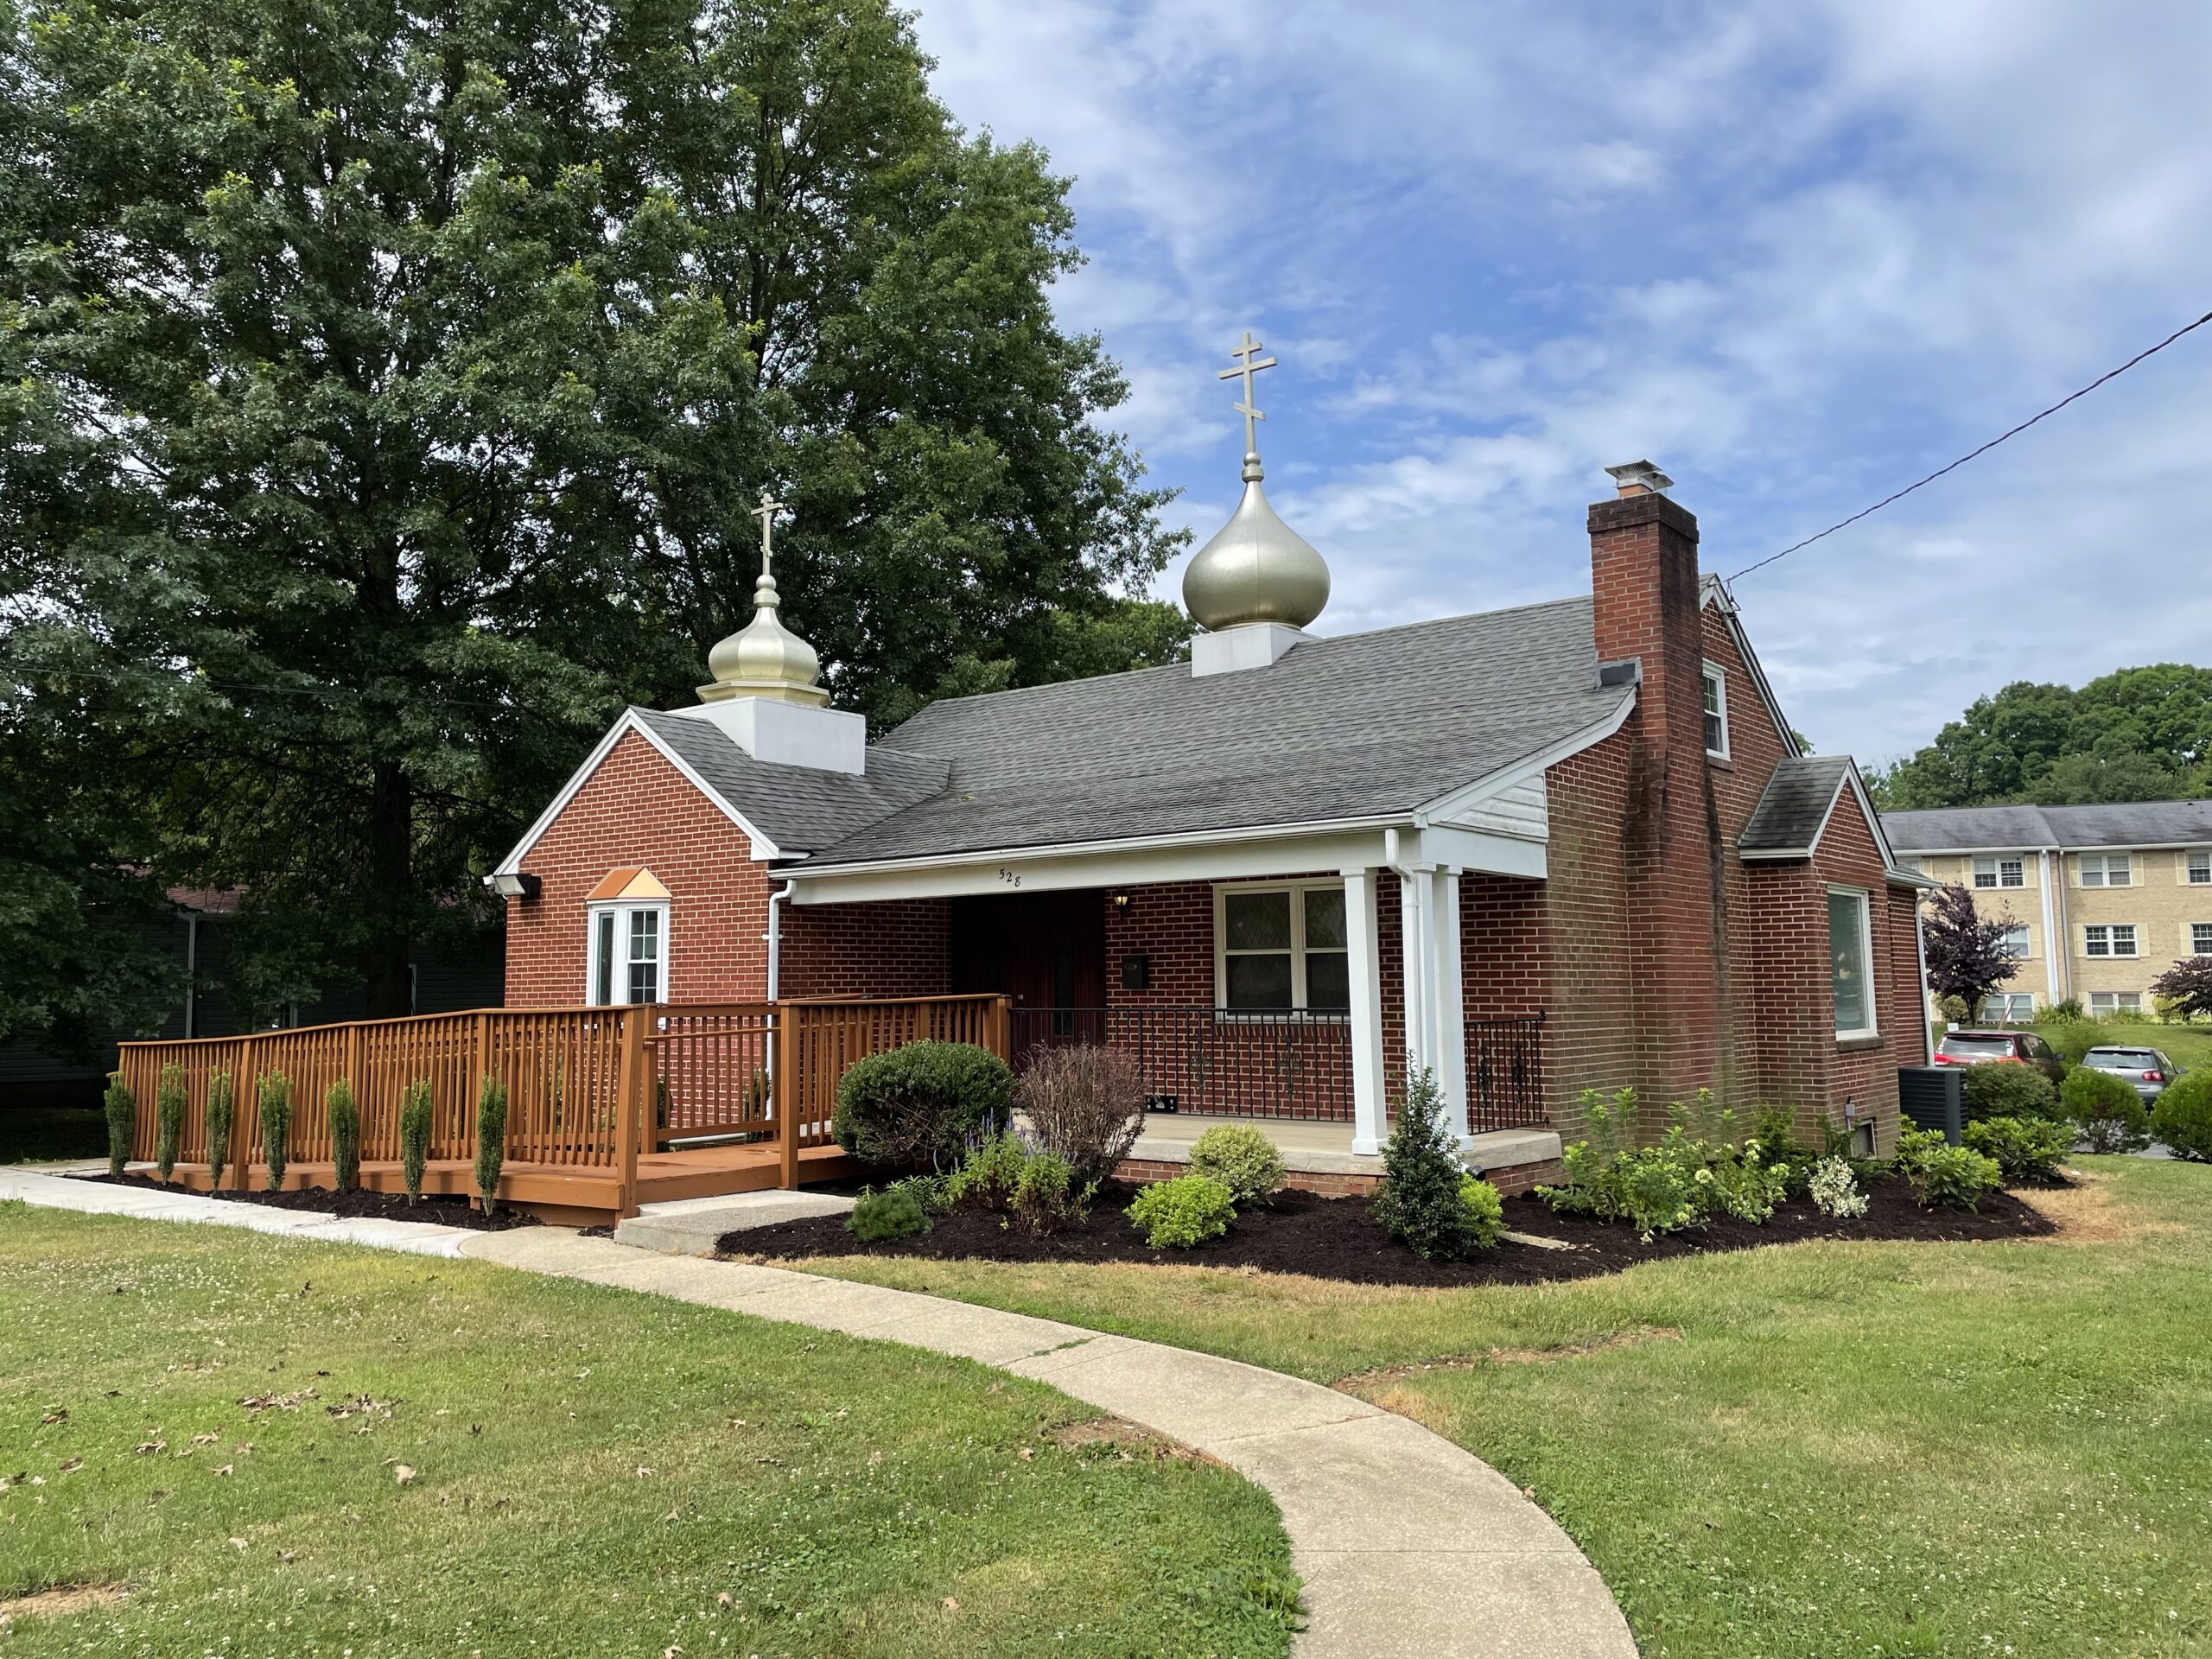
point(1716, 712)
point(627, 943)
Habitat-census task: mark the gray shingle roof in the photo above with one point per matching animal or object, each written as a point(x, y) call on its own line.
point(1794, 807)
point(1343, 727)
point(798, 808)
point(1963, 828)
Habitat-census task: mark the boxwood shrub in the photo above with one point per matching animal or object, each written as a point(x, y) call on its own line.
point(1183, 1213)
point(2009, 1089)
point(2108, 1111)
point(918, 1107)
point(1241, 1158)
point(2183, 1118)
point(896, 1212)
point(2025, 1148)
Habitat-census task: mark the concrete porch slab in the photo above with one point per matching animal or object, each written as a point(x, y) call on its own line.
point(1323, 1149)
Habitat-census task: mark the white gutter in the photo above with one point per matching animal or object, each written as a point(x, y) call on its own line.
point(776, 898)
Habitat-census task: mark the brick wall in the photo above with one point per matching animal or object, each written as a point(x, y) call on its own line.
point(898, 948)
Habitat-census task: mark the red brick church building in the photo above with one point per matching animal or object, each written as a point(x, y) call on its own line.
point(1560, 846)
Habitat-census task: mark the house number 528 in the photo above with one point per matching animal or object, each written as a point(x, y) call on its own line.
point(1011, 877)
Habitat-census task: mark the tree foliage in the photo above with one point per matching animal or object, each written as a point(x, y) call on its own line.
point(2185, 988)
point(1966, 954)
point(2135, 734)
point(387, 388)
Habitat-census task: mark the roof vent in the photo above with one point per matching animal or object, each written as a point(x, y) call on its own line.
point(1639, 478)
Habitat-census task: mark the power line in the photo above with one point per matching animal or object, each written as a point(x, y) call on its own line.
point(2110, 374)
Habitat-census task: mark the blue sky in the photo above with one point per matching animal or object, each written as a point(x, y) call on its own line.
point(1798, 255)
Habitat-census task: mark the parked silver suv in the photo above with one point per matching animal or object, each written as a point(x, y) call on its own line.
point(2145, 1068)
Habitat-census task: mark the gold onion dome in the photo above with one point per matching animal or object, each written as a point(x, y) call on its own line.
point(765, 659)
point(1256, 568)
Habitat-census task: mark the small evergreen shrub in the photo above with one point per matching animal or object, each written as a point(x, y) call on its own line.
point(896, 1212)
point(491, 1139)
point(2182, 1119)
point(1046, 1197)
point(1485, 1210)
point(415, 1119)
point(1942, 1176)
point(1419, 1203)
point(344, 1134)
point(221, 1107)
point(122, 1112)
point(1085, 1104)
point(1953, 1010)
point(2109, 1114)
point(2025, 1148)
point(1834, 1190)
point(989, 1176)
point(276, 1126)
point(1183, 1213)
point(168, 1119)
point(2008, 1089)
point(1243, 1159)
point(919, 1107)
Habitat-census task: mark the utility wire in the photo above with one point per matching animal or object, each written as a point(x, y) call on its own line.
point(2110, 374)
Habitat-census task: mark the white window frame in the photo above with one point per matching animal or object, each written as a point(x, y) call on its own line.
point(1717, 678)
point(2027, 946)
point(2107, 865)
point(2196, 869)
point(2003, 871)
point(2200, 938)
point(1873, 1025)
point(2111, 1004)
point(2008, 1013)
point(2110, 933)
point(618, 977)
point(1299, 1008)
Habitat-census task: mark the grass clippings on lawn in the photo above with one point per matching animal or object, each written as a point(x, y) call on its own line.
point(1852, 1450)
point(290, 1449)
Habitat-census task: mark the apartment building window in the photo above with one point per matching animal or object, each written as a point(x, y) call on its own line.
point(2200, 938)
point(2008, 1007)
point(2107, 869)
point(2115, 1001)
point(2200, 869)
point(2015, 943)
point(1999, 872)
point(2116, 940)
point(1716, 713)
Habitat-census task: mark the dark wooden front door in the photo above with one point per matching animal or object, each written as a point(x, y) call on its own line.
point(1044, 949)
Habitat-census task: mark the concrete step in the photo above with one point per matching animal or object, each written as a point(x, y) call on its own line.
point(690, 1226)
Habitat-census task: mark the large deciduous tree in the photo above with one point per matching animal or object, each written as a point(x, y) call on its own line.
point(1966, 954)
point(390, 382)
point(2185, 988)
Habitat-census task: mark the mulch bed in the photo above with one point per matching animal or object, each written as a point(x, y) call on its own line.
point(1339, 1238)
point(438, 1209)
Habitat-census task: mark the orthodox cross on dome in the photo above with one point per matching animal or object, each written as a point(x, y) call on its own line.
point(766, 512)
point(1249, 362)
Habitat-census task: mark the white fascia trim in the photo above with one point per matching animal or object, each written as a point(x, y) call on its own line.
point(512, 864)
point(1975, 852)
point(1716, 595)
point(1456, 801)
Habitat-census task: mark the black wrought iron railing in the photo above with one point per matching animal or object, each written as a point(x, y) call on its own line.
point(1281, 1065)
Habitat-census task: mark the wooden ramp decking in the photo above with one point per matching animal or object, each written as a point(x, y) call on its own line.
point(565, 1194)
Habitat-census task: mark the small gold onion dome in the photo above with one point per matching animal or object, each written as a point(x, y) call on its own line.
point(1256, 568)
point(765, 659)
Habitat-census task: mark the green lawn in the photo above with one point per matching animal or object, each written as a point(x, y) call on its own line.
point(1821, 1449)
point(225, 1423)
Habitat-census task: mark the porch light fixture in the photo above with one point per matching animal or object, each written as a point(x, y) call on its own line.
point(520, 884)
point(1121, 901)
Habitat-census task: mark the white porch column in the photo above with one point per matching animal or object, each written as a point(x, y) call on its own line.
point(1418, 955)
point(1363, 962)
point(1448, 1020)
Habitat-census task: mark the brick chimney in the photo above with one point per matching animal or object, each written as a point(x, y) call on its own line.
point(1645, 606)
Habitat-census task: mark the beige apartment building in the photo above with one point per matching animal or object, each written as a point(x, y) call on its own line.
point(2101, 900)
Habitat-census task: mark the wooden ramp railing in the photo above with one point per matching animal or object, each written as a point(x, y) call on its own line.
point(587, 1089)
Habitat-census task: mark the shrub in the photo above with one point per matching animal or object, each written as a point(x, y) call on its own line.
point(2182, 1119)
point(1953, 1010)
point(1085, 1104)
point(344, 1134)
point(918, 1107)
point(1183, 1213)
point(1834, 1190)
point(168, 1119)
point(122, 1112)
point(1419, 1203)
point(896, 1212)
point(986, 1179)
point(1046, 1197)
point(2008, 1089)
point(2110, 1114)
point(1660, 1188)
point(2025, 1148)
point(1944, 1176)
point(416, 1118)
point(1775, 1127)
point(1485, 1211)
point(1745, 1183)
point(1241, 1158)
point(491, 1139)
point(219, 1112)
point(276, 1126)
point(2065, 1012)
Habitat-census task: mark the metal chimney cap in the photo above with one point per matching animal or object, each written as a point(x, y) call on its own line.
point(1639, 478)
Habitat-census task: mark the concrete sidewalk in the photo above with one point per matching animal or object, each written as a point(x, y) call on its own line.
point(1410, 1546)
point(55, 1190)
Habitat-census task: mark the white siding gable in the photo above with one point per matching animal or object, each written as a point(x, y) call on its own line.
point(1521, 810)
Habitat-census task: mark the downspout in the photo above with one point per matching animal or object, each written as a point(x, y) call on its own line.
point(191, 974)
point(776, 898)
point(2053, 937)
point(1920, 950)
